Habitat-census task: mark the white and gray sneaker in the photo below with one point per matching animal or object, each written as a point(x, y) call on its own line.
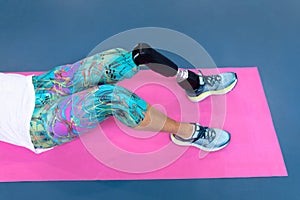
point(204, 138)
point(213, 85)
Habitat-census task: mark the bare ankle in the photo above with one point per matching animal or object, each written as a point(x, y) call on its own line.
point(186, 130)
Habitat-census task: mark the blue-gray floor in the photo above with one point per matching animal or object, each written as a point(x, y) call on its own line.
point(37, 35)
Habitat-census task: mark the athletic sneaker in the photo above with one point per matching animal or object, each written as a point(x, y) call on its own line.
point(204, 138)
point(213, 85)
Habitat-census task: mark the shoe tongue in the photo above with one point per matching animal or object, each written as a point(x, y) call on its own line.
point(201, 80)
point(195, 132)
point(202, 131)
point(198, 131)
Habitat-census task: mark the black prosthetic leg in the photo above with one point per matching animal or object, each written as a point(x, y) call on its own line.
point(143, 54)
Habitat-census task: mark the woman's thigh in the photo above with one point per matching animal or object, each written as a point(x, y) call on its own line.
point(109, 66)
point(65, 118)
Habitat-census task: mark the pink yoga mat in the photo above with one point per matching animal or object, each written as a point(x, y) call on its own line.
point(115, 152)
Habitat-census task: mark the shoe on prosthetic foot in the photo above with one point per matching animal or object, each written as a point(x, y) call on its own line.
point(204, 138)
point(213, 85)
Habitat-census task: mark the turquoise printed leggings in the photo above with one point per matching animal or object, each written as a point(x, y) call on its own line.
point(73, 99)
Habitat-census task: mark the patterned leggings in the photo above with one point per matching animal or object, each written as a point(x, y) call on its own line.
point(72, 99)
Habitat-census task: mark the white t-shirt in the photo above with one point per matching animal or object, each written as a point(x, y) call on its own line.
point(17, 102)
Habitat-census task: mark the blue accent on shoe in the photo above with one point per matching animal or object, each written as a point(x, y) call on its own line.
point(204, 138)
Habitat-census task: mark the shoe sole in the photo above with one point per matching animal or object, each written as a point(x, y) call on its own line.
point(180, 143)
point(209, 93)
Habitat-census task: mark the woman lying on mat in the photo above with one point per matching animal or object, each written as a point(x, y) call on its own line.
point(41, 112)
